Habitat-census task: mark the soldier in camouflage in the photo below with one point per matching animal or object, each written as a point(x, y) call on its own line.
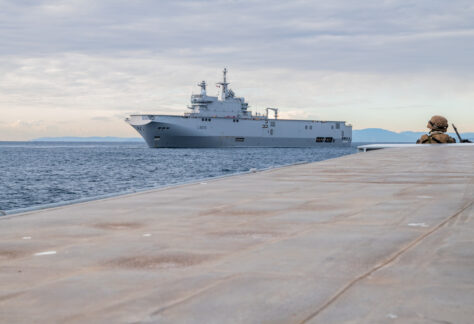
point(438, 126)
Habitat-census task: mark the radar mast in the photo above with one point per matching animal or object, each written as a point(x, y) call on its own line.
point(223, 85)
point(203, 88)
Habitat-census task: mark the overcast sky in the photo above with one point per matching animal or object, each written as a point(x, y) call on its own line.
point(79, 67)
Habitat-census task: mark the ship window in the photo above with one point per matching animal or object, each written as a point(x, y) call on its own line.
point(239, 139)
point(272, 124)
point(157, 138)
point(310, 127)
point(319, 139)
point(332, 126)
point(338, 126)
point(306, 127)
point(328, 140)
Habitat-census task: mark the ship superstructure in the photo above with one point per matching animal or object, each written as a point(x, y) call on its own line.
point(225, 121)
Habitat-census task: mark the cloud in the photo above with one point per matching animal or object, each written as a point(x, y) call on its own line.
point(102, 118)
point(38, 124)
point(380, 36)
point(80, 62)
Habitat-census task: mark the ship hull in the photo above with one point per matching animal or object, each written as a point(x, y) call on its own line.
point(160, 131)
point(227, 141)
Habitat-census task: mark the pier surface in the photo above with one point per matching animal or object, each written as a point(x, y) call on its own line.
point(379, 237)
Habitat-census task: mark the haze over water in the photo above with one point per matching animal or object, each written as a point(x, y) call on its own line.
point(39, 173)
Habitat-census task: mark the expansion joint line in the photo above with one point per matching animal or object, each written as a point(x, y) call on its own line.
point(385, 263)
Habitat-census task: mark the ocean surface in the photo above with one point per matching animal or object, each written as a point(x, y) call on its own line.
point(40, 173)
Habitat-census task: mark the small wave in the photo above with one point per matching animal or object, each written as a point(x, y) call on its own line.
point(58, 173)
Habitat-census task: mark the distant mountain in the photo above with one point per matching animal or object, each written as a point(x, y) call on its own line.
point(88, 139)
point(386, 136)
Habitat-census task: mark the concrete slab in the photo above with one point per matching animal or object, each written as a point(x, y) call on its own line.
point(383, 236)
point(372, 147)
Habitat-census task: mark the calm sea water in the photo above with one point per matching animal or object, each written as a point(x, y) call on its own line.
point(39, 173)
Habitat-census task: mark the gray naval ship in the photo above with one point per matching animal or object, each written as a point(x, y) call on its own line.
point(225, 121)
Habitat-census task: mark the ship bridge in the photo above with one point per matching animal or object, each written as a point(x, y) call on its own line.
point(223, 105)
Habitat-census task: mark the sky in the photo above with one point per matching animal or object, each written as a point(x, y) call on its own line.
point(79, 67)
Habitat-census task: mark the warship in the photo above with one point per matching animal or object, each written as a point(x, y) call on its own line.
point(226, 121)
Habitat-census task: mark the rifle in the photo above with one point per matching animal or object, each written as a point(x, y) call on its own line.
point(459, 136)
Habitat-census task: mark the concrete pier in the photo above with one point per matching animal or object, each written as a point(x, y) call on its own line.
point(378, 237)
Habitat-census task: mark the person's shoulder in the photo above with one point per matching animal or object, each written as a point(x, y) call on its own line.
point(444, 138)
point(422, 139)
point(451, 139)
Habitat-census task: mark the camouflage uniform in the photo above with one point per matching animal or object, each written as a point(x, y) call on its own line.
point(438, 126)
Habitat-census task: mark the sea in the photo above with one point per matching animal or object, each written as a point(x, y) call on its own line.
point(44, 174)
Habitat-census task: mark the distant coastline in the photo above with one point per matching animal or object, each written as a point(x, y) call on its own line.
point(372, 135)
point(386, 136)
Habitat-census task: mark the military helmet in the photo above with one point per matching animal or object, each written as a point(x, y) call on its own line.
point(438, 123)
